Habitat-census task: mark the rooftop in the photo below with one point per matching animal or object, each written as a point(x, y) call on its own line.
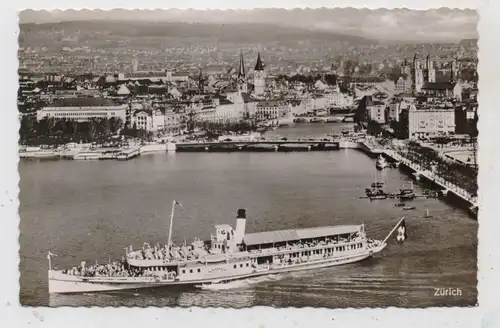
point(268, 237)
point(225, 102)
point(438, 86)
point(83, 102)
point(271, 103)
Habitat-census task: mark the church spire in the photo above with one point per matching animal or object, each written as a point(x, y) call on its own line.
point(241, 69)
point(259, 66)
point(200, 80)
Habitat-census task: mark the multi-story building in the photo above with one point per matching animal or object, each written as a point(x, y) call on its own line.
point(395, 107)
point(335, 98)
point(272, 109)
point(428, 122)
point(155, 120)
point(206, 114)
point(465, 118)
point(142, 120)
point(315, 102)
point(442, 90)
point(83, 109)
point(403, 84)
point(376, 112)
point(227, 111)
point(170, 121)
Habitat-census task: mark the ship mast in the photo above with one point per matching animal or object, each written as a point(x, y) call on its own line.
point(174, 202)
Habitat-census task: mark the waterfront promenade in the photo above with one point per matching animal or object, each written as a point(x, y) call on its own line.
point(420, 171)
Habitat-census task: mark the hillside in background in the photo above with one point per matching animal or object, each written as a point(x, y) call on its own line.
point(442, 24)
point(160, 35)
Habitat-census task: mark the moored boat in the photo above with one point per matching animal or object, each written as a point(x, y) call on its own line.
point(377, 184)
point(228, 255)
point(406, 194)
point(375, 193)
point(381, 163)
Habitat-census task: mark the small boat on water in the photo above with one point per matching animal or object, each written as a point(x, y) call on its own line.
point(377, 184)
point(374, 194)
point(381, 163)
point(409, 208)
point(400, 205)
point(228, 255)
point(406, 194)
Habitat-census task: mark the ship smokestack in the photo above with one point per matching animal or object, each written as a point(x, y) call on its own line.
point(241, 220)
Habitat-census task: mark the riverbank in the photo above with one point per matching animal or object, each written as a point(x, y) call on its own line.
point(89, 152)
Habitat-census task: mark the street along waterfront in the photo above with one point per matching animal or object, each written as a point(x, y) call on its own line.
point(121, 203)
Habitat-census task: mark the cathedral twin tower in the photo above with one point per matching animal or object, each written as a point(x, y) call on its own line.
point(258, 80)
point(420, 72)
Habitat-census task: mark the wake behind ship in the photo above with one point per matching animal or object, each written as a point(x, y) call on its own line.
point(228, 255)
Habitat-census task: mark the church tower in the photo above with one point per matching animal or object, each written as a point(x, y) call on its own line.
point(201, 82)
point(454, 71)
point(259, 78)
point(431, 71)
point(418, 74)
point(242, 82)
point(405, 68)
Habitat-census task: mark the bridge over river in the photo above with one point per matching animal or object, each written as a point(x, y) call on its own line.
point(260, 145)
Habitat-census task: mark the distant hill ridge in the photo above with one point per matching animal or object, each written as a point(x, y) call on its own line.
point(222, 32)
point(443, 24)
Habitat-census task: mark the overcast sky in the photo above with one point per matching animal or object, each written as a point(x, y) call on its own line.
point(434, 25)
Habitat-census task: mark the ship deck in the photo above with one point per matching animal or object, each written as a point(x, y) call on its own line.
point(61, 283)
point(282, 236)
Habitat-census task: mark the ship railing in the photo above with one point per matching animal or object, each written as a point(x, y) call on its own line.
point(305, 259)
point(305, 247)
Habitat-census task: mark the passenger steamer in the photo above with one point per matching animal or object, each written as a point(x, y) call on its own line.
point(229, 255)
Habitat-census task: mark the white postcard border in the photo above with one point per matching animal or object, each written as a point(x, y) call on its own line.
point(487, 314)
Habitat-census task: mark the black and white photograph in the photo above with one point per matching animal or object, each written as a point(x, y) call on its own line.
point(323, 158)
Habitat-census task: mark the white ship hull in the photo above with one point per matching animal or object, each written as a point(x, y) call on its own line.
point(60, 283)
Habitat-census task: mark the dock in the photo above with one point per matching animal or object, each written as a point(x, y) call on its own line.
point(129, 153)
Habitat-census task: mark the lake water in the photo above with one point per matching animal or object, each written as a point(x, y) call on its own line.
point(91, 210)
